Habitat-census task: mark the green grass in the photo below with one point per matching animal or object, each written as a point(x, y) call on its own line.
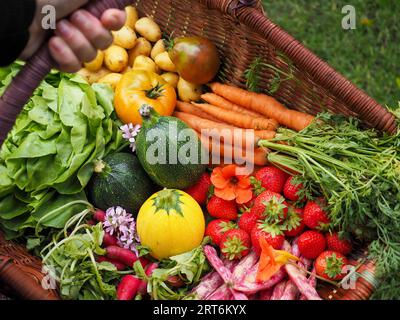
point(369, 56)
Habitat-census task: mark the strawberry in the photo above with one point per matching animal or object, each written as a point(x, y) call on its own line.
point(311, 244)
point(329, 265)
point(272, 234)
point(235, 244)
point(272, 178)
point(199, 191)
point(248, 221)
point(248, 205)
point(333, 242)
point(270, 206)
point(222, 209)
point(294, 224)
point(291, 190)
point(216, 229)
point(314, 215)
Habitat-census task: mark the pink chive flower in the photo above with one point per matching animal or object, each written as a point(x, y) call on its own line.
point(129, 132)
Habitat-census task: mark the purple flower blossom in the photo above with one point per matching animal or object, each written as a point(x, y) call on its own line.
point(123, 225)
point(129, 132)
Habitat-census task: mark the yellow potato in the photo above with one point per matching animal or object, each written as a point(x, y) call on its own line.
point(112, 79)
point(145, 63)
point(188, 91)
point(127, 69)
point(158, 48)
point(96, 63)
point(91, 76)
point(131, 16)
point(171, 78)
point(141, 48)
point(125, 37)
point(116, 58)
point(163, 61)
point(147, 28)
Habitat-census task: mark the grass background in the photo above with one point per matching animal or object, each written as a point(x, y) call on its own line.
point(369, 55)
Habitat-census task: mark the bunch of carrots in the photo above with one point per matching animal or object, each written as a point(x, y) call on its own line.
point(231, 109)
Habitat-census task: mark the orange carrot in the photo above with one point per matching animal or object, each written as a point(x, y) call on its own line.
point(222, 130)
point(218, 101)
point(190, 108)
point(238, 119)
point(218, 150)
point(264, 104)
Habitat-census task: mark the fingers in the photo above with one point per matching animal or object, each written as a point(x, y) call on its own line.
point(75, 39)
point(63, 55)
point(63, 7)
point(113, 19)
point(92, 29)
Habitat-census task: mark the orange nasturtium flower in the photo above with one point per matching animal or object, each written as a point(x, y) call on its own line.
point(230, 186)
point(271, 260)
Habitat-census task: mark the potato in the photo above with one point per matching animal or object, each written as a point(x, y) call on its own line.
point(188, 91)
point(131, 16)
point(116, 58)
point(171, 78)
point(127, 69)
point(141, 48)
point(145, 63)
point(96, 63)
point(158, 48)
point(112, 79)
point(147, 28)
point(163, 61)
point(91, 76)
point(125, 37)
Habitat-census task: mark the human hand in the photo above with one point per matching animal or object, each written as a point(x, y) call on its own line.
point(77, 38)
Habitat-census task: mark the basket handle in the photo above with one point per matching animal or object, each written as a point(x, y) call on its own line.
point(25, 285)
point(37, 67)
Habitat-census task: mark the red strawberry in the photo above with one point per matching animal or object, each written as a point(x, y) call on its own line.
point(294, 224)
point(270, 206)
point(311, 244)
point(314, 215)
point(216, 228)
point(235, 244)
point(222, 209)
point(248, 221)
point(291, 190)
point(272, 234)
point(333, 242)
point(272, 178)
point(200, 190)
point(329, 265)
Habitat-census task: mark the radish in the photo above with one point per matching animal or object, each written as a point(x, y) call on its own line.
point(120, 266)
point(175, 281)
point(91, 222)
point(209, 283)
point(217, 264)
point(125, 256)
point(278, 291)
point(128, 287)
point(109, 240)
point(142, 290)
point(99, 215)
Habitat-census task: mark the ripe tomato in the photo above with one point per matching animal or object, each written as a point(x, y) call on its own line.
point(140, 87)
point(195, 58)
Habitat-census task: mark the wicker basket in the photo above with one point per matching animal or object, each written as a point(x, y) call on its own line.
point(242, 33)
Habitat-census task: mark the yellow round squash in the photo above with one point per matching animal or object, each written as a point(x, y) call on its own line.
point(169, 223)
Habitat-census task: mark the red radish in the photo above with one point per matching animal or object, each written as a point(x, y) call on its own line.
point(120, 266)
point(142, 290)
point(109, 240)
point(124, 255)
point(99, 215)
point(91, 222)
point(175, 281)
point(128, 287)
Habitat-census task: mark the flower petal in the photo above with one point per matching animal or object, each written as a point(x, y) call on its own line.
point(244, 182)
point(218, 180)
point(227, 193)
point(229, 171)
point(243, 195)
